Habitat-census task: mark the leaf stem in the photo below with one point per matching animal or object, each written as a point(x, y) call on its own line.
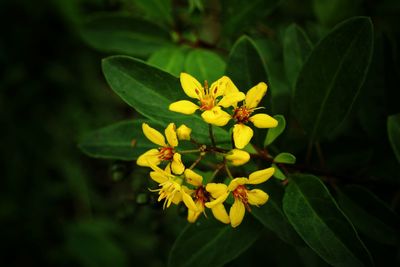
point(210, 131)
point(228, 171)
point(196, 162)
point(188, 151)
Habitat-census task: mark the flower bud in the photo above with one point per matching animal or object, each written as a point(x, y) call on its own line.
point(237, 157)
point(183, 132)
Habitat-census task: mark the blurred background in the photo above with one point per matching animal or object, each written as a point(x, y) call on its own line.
point(59, 207)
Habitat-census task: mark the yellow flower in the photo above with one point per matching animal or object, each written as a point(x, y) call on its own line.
point(171, 189)
point(165, 152)
point(201, 197)
point(242, 195)
point(242, 133)
point(237, 157)
point(183, 132)
point(222, 93)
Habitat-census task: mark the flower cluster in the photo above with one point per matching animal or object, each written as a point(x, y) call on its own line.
point(219, 104)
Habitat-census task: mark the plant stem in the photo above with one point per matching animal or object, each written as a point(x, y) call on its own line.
point(189, 151)
point(210, 131)
point(228, 171)
point(195, 162)
point(216, 172)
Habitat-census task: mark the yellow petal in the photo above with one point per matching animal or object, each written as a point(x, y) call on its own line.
point(193, 215)
point(184, 107)
point(177, 166)
point(158, 177)
point(220, 213)
point(218, 87)
point(170, 133)
point(188, 200)
point(216, 116)
point(257, 197)
point(236, 182)
point(255, 94)
point(183, 132)
point(263, 121)
point(236, 213)
point(261, 176)
point(148, 158)
point(190, 85)
point(193, 178)
point(153, 135)
point(177, 198)
point(216, 189)
point(217, 201)
point(231, 99)
point(230, 87)
point(237, 157)
point(242, 135)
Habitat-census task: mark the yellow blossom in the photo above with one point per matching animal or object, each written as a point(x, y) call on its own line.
point(201, 196)
point(237, 157)
point(243, 197)
point(171, 189)
point(242, 133)
point(222, 93)
point(183, 132)
point(165, 151)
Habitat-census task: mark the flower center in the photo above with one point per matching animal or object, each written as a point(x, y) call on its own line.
point(242, 114)
point(166, 153)
point(202, 195)
point(207, 97)
point(241, 193)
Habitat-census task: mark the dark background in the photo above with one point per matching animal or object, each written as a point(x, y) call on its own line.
point(57, 206)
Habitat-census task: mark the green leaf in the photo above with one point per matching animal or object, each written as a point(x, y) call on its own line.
point(150, 91)
point(204, 65)
point(315, 215)
point(370, 215)
point(169, 59)
point(278, 174)
point(272, 217)
point(124, 35)
point(296, 48)
point(274, 133)
point(159, 11)
point(238, 15)
point(245, 65)
point(285, 158)
point(393, 128)
point(329, 12)
point(124, 140)
point(210, 243)
point(332, 76)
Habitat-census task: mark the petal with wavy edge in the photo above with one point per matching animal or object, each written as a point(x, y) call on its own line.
point(193, 178)
point(170, 134)
point(153, 135)
point(216, 116)
point(148, 158)
point(188, 200)
point(255, 94)
point(217, 201)
point(220, 213)
point(236, 182)
point(193, 215)
point(177, 166)
point(191, 86)
point(231, 99)
point(261, 176)
point(242, 135)
point(262, 120)
point(236, 213)
point(158, 177)
point(216, 189)
point(257, 197)
point(237, 157)
point(184, 107)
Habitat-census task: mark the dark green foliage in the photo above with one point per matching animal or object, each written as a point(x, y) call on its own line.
point(70, 67)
